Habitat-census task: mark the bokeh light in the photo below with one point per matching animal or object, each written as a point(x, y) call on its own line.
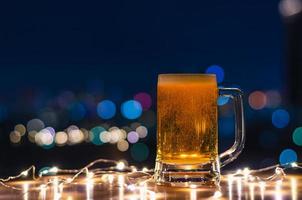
point(106, 109)
point(273, 98)
point(113, 128)
point(280, 118)
point(115, 135)
point(44, 138)
point(122, 145)
point(31, 136)
point(61, 138)
point(268, 140)
point(132, 137)
point(297, 136)
point(289, 8)
point(86, 134)
point(35, 125)
point(15, 137)
point(105, 136)
point(139, 152)
point(21, 129)
point(77, 111)
point(72, 127)
point(218, 71)
point(51, 130)
point(123, 134)
point(131, 109)
point(75, 136)
point(142, 131)
point(222, 100)
point(288, 156)
point(95, 135)
point(257, 100)
point(144, 99)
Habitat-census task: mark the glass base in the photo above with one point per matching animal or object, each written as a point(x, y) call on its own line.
point(187, 175)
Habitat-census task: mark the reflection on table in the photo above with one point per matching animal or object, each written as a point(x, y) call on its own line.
point(115, 187)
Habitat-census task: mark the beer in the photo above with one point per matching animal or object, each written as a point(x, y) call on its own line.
point(187, 119)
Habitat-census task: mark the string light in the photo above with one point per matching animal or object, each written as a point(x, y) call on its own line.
point(131, 179)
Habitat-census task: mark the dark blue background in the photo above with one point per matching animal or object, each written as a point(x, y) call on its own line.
point(131, 40)
point(54, 46)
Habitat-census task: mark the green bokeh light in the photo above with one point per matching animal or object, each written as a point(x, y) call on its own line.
point(95, 135)
point(297, 136)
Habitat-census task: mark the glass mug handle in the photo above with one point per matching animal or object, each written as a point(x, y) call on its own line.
point(232, 153)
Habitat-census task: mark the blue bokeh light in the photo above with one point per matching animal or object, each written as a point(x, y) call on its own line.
point(288, 156)
point(77, 111)
point(222, 100)
point(215, 69)
point(106, 109)
point(280, 118)
point(131, 109)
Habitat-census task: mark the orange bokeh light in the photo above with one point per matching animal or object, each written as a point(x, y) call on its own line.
point(257, 100)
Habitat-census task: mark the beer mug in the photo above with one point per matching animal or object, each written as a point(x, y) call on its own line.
point(187, 129)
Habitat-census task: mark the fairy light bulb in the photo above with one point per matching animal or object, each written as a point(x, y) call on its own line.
point(246, 171)
point(239, 171)
point(217, 194)
point(54, 170)
point(89, 175)
point(294, 164)
point(279, 171)
point(131, 187)
point(133, 169)
point(69, 180)
point(44, 172)
point(24, 173)
point(120, 165)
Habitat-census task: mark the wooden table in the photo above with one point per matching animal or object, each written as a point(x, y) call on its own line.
point(100, 188)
